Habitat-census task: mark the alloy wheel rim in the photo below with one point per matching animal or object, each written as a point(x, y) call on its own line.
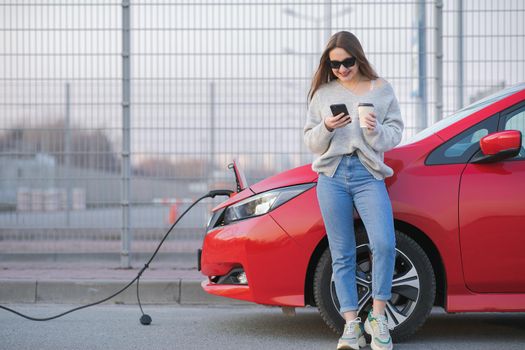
point(405, 287)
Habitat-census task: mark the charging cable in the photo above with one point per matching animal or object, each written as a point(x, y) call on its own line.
point(145, 319)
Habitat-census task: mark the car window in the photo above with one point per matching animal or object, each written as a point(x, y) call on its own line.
point(463, 146)
point(516, 121)
point(459, 148)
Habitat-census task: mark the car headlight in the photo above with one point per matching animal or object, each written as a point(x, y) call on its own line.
point(262, 203)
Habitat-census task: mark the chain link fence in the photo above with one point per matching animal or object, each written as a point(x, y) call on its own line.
point(116, 115)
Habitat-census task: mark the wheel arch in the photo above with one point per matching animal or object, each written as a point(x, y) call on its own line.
point(312, 264)
point(433, 255)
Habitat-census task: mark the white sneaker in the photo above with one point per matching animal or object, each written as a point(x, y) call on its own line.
point(377, 327)
point(353, 337)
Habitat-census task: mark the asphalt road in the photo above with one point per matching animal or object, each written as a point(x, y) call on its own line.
point(235, 327)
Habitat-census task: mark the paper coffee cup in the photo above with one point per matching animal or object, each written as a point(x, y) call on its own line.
point(364, 109)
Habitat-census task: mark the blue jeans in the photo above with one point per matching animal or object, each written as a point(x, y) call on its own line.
point(353, 184)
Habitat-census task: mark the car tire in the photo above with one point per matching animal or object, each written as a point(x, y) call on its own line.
point(407, 310)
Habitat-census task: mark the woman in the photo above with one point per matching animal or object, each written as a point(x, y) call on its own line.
point(351, 172)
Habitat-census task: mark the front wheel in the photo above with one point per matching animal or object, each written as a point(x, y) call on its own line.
point(413, 287)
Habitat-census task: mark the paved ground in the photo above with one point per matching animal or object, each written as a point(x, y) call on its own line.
point(235, 327)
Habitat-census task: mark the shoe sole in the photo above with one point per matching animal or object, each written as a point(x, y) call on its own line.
point(372, 344)
point(361, 343)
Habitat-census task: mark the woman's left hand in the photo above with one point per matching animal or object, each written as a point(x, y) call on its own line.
point(371, 121)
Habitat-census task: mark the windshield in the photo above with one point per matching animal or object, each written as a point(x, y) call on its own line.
point(464, 112)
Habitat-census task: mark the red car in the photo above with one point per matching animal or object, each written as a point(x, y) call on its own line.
point(458, 196)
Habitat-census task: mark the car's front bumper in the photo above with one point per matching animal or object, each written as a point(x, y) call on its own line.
point(275, 265)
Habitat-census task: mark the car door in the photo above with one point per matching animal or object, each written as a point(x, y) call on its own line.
point(492, 218)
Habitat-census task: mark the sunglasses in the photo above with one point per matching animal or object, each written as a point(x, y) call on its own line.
point(348, 62)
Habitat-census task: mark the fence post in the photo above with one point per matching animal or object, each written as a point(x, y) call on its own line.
point(125, 168)
point(210, 169)
point(327, 20)
point(459, 98)
point(67, 155)
point(422, 117)
point(439, 61)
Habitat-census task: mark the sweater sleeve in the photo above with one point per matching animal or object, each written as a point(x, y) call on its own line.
point(316, 136)
point(387, 135)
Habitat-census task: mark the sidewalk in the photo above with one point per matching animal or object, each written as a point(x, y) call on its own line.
point(81, 283)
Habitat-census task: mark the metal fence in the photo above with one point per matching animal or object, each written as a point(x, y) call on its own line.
point(115, 115)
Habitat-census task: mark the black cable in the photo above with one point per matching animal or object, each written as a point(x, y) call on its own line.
point(145, 319)
point(138, 296)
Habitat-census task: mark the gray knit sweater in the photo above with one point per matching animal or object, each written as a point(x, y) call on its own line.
point(330, 146)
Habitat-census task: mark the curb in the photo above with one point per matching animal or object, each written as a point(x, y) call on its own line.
point(183, 292)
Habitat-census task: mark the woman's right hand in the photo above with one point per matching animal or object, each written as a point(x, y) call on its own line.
point(339, 121)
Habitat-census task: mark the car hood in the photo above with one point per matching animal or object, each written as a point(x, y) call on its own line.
point(296, 176)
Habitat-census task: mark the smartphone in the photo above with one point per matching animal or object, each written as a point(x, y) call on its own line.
point(338, 109)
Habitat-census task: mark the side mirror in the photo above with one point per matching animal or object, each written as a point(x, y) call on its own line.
point(498, 146)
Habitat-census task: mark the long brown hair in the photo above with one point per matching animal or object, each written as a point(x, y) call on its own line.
point(350, 44)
